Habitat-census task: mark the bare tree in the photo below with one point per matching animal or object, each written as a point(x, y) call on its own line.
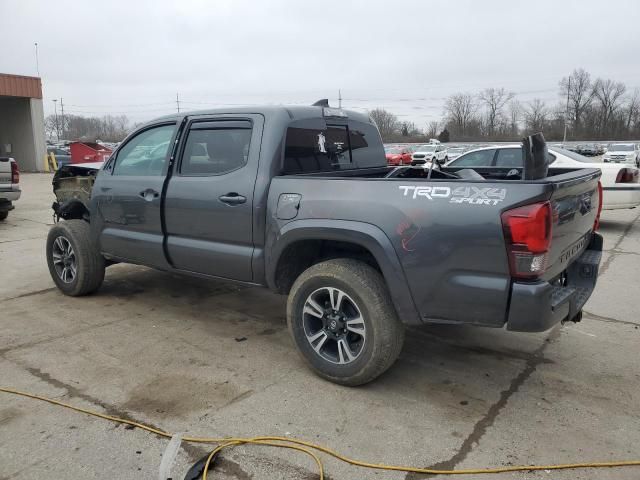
point(515, 114)
point(433, 129)
point(578, 89)
point(633, 109)
point(51, 127)
point(494, 100)
point(107, 128)
point(608, 94)
point(535, 115)
point(386, 122)
point(460, 110)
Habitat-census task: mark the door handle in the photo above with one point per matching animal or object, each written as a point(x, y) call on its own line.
point(149, 194)
point(232, 198)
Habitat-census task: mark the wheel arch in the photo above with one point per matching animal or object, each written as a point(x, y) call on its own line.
point(71, 209)
point(303, 243)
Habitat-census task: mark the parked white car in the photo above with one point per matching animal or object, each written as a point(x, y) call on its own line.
point(622, 153)
point(9, 185)
point(427, 153)
point(620, 187)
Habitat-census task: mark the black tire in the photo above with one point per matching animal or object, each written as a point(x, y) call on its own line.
point(366, 288)
point(89, 263)
point(4, 215)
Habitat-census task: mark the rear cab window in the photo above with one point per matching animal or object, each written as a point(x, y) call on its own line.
point(313, 145)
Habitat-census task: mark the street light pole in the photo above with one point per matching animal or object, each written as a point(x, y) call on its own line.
point(566, 114)
point(55, 111)
point(62, 115)
point(37, 64)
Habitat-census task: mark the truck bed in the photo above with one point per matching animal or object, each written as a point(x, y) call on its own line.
point(447, 232)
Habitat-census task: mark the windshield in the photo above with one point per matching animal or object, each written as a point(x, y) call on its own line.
point(572, 155)
point(393, 150)
point(427, 148)
point(621, 147)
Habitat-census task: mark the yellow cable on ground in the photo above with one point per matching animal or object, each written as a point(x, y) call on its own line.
point(307, 447)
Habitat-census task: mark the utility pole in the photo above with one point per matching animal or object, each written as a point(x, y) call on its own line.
point(55, 110)
point(37, 64)
point(178, 102)
point(566, 115)
point(62, 114)
point(339, 99)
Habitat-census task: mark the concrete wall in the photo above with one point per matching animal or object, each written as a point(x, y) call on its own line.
point(37, 126)
point(22, 126)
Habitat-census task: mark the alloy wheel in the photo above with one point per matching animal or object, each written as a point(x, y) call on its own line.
point(64, 259)
point(333, 325)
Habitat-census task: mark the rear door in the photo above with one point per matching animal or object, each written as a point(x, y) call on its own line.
point(209, 200)
point(127, 196)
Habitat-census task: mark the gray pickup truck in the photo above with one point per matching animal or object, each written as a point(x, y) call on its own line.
point(301, 200)
point(9, 185)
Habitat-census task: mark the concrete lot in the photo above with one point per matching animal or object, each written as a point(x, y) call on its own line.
point(164, 350)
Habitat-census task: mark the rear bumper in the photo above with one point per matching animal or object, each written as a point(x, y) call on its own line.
point(8, 195)
point(623, 196)
point(536, 307)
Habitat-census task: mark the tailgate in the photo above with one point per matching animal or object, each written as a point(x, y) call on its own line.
point(575, 202)
point(5, 173)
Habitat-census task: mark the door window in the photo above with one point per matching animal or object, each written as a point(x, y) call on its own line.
point(215, 150)
point(145, 154)
point(480, 158)
point(509, 157)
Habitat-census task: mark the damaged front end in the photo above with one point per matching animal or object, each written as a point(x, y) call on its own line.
point(72, 185)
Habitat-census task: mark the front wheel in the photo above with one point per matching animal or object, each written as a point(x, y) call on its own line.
point(3, 215)
point(75, 264)
point(343, 322)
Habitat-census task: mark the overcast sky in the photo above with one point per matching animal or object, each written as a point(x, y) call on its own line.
point(133, 56)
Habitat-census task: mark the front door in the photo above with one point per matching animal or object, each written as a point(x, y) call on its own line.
point(127, 196)
point(209, 200)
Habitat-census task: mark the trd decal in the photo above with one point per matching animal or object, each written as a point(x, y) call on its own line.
point(469, 195)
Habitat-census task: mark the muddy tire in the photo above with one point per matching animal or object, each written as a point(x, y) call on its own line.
point(4, 215)
point(75, 264)
point(343, 322)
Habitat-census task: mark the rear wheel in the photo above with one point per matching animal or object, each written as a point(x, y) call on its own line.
point(75, 264)
point(342, 320)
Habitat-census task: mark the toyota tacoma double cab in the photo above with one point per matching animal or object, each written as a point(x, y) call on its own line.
point(301, 200)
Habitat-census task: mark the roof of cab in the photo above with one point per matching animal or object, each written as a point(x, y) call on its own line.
point(295, 112)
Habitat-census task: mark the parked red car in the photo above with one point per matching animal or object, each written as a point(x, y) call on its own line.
point(398, 155)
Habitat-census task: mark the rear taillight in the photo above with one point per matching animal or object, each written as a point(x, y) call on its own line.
point(15, 173)
point(527, 233)
point(627, 175)
point(596, 223)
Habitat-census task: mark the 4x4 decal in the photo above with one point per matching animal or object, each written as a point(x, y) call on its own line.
point(469, 195)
